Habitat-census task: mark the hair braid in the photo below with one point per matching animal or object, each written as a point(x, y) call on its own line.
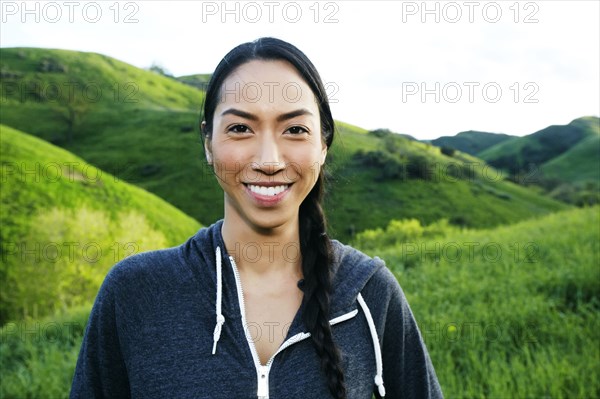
point(316, 265)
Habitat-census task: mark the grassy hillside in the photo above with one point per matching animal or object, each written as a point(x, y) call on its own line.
point(65, 222)
point(471, 142)
point(73, 91)
point(535, 150)
point(580, 163)
point(47, 75)
point(154, 143)
point(375, 179)
point(506, 312)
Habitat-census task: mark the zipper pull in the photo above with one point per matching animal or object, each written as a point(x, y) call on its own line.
point(263, 383)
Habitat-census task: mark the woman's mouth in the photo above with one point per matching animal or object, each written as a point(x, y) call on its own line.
point(267, 195)
point(268, 191)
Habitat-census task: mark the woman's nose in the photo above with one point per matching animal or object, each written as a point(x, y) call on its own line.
point(269, 158)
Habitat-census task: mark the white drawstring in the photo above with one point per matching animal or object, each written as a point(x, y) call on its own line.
point(376, 346)
point(220, 318)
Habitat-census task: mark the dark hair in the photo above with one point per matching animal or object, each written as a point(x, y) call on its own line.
point(315, 246)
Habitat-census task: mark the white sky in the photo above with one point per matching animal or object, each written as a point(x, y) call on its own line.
point(376, 56)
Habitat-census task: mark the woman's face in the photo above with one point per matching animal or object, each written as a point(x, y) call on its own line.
point(266, 144)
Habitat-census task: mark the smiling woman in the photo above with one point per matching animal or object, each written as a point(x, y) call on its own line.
point(262, 303)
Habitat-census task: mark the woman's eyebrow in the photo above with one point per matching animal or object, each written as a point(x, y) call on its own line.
point(293, 114)
point(280, 118)
point(240, 113)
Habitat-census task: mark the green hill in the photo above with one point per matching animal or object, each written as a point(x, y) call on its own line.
point(65, 222)
point(71, 91)
point(471, 142)
point(375, 179)
point(579, 163)
point(154, 143)
point(540, 148)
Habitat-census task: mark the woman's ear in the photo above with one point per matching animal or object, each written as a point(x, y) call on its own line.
point(207, 146)
point(323, 154)
point(208, 151)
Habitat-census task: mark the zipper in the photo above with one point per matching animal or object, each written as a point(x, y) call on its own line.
point(262, 372)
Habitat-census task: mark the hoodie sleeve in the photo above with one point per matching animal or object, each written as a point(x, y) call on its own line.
point(100, 370)
point(407, 368)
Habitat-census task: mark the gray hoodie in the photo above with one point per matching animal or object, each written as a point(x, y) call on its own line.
point(170, 324)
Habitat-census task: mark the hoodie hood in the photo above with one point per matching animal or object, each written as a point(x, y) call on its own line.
point(352, 269)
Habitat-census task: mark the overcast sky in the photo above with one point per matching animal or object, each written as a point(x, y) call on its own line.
point(425, 69)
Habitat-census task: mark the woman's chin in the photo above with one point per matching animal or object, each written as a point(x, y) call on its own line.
point(269, 220)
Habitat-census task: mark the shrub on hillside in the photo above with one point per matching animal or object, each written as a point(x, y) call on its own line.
point(402, 232)
point(448, 151)
point(586, 195)
point(66, 256)
point(381, 132)
point(393, 167)
point(51, 65)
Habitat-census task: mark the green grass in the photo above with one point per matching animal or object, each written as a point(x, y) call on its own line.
point(50, 198)
point(505, 312)
point(512, 311)
point(38, 356)
point(154, 143)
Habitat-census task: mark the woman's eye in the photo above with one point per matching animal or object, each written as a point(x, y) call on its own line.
point(297, 130)
point(238, 129)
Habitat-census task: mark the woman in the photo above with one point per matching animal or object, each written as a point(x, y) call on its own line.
point(262, 303)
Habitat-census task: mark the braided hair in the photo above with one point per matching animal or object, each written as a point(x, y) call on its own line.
point(316, 266)
point(315, 246)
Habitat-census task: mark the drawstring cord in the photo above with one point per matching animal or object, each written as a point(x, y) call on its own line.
point(220, 318)
point(376, 346)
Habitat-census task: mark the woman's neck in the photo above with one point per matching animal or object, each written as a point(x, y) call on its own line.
point(262, 250)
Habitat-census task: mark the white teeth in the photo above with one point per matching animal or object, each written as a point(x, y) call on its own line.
point(270, 191)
